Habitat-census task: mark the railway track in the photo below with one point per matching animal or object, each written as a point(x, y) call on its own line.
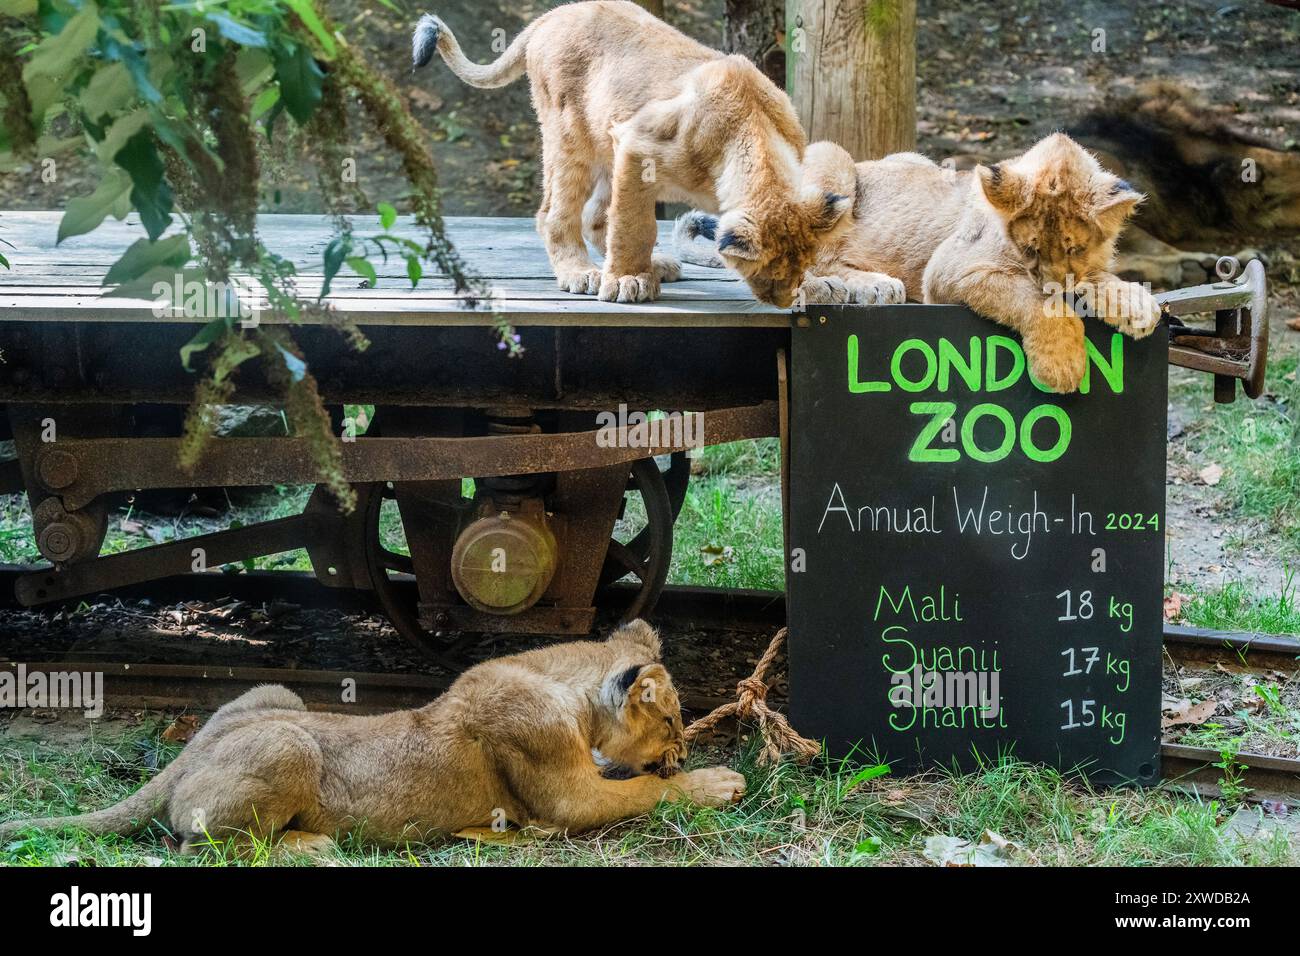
point(206, 686)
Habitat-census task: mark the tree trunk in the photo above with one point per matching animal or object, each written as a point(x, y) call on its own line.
point(756, 29)
point(654, 6)
point(852, 72)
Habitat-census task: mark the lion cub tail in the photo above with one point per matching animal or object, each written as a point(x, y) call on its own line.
point(432, 34)
point(691, 226)
point(130, 816)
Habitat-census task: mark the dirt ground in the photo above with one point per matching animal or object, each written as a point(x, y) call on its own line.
point(706, 661)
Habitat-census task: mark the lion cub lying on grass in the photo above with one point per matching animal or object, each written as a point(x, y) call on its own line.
point(511, 739)
point(1011, 241)
point(632, 111)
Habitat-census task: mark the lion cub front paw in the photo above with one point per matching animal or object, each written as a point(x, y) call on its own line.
point(631, 288)
point(582, 281)
point(876, 288)
point(824, 290)
point(1131, 309)
point(713, 786)
point(1057, 354)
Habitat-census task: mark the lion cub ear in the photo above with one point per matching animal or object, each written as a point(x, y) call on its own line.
point(635, 686)
point(827, 210)
point(738, 239)
point(642, 634)
point(1005, 189)
point(1115, 203)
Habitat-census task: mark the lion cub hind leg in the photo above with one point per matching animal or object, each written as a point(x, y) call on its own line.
point(254, 782)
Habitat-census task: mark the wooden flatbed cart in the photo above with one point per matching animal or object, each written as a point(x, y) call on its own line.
point(541, 536)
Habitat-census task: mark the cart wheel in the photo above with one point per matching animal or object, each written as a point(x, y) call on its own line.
point(399, 600)
point(647, 554)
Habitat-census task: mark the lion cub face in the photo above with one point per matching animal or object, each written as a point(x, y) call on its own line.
point(772, 249)
point(647, 736)
point(1063, 212)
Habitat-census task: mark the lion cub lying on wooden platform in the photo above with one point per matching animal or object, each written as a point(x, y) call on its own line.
point(511, 739)
point(632, 111)
point(1019, 242)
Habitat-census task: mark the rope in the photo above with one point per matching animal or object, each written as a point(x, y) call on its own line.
point(779, 737)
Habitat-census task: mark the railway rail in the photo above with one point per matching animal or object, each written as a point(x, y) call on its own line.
point(206, 686)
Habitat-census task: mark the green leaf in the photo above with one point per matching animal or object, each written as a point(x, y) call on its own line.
point(335, 253)
point(202, 339)
point(135, 64)
point(237, 32)
point(414, 270)
point(149, 193)
point(108, 91)
point(265, 100)
point(86, 212)
point(57, 53)
point(863, 775)
point(300, 81)
point(307, 14)
point(362, 267)
point(143, 255)
point(387, 216)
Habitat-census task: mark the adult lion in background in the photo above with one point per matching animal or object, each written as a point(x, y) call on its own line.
point(566, 737)
point(633, 111)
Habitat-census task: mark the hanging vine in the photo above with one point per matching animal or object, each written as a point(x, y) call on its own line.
point(177, 102)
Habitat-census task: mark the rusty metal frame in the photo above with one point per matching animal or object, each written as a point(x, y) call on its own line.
point(1238, 346)
point(90, 467)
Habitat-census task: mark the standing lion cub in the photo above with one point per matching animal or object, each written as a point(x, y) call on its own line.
point(516, 738)
point(632, 111)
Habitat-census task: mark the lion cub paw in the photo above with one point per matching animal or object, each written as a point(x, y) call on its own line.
point(302, 843)
point(1132, 309)
point(713, 786)
point(824, 290)
point(666, 268)
point(1059, 367)
point(876, 288)
point(637, 288)
point(583, 281)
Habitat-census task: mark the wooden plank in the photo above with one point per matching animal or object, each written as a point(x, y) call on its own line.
point(62, 281)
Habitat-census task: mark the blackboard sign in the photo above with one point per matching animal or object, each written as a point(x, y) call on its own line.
point(976, 563)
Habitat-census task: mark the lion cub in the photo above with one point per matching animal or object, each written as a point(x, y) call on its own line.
point(1021, 242)
point(512, 739)
point(632, 111)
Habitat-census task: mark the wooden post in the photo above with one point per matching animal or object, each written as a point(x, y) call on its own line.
point(756, 29)
point(851, 71)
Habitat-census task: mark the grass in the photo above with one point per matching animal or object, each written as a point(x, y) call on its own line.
point(1239, 607)
point(793, 816)
point(1258, 446)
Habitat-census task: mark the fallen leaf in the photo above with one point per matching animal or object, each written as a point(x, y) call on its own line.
point(1211, 474)
point(182, 729)
point(992, 850)
point(422, 97)
point(1188, 714)
point(714, 555)
point(1174, 605)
